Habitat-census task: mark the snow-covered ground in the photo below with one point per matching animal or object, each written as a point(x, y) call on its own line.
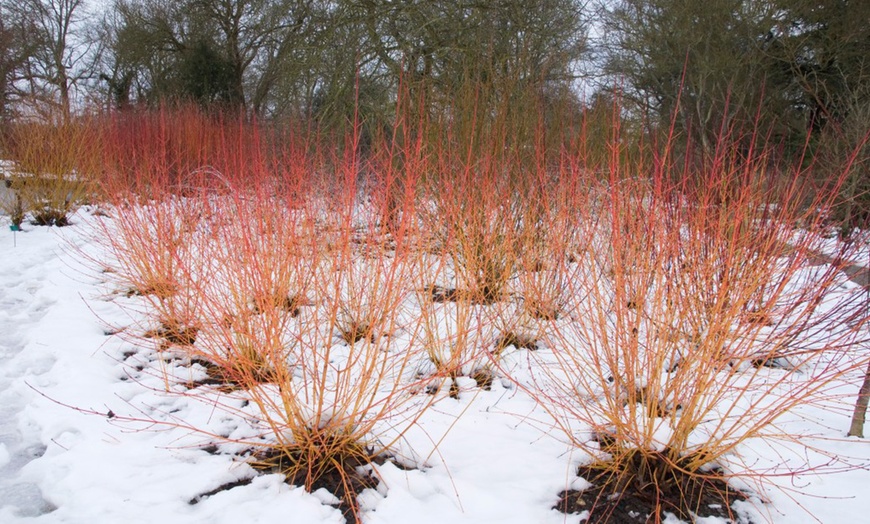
point(76, 445)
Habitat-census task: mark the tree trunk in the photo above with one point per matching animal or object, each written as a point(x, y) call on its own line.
point(857, 427)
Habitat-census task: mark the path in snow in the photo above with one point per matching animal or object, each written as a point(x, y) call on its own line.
point(24, 301)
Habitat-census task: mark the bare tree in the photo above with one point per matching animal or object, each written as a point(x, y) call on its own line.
point(57, 51)
point(702, 63)
point(10, 62)
point(232, 52)
point(450, 42)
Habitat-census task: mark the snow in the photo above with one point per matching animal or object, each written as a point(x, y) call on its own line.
point(90, 434)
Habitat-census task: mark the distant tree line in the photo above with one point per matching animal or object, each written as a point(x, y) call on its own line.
point(795, 73)
point(273, 58)
point(788, 69)
point(788, 66)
